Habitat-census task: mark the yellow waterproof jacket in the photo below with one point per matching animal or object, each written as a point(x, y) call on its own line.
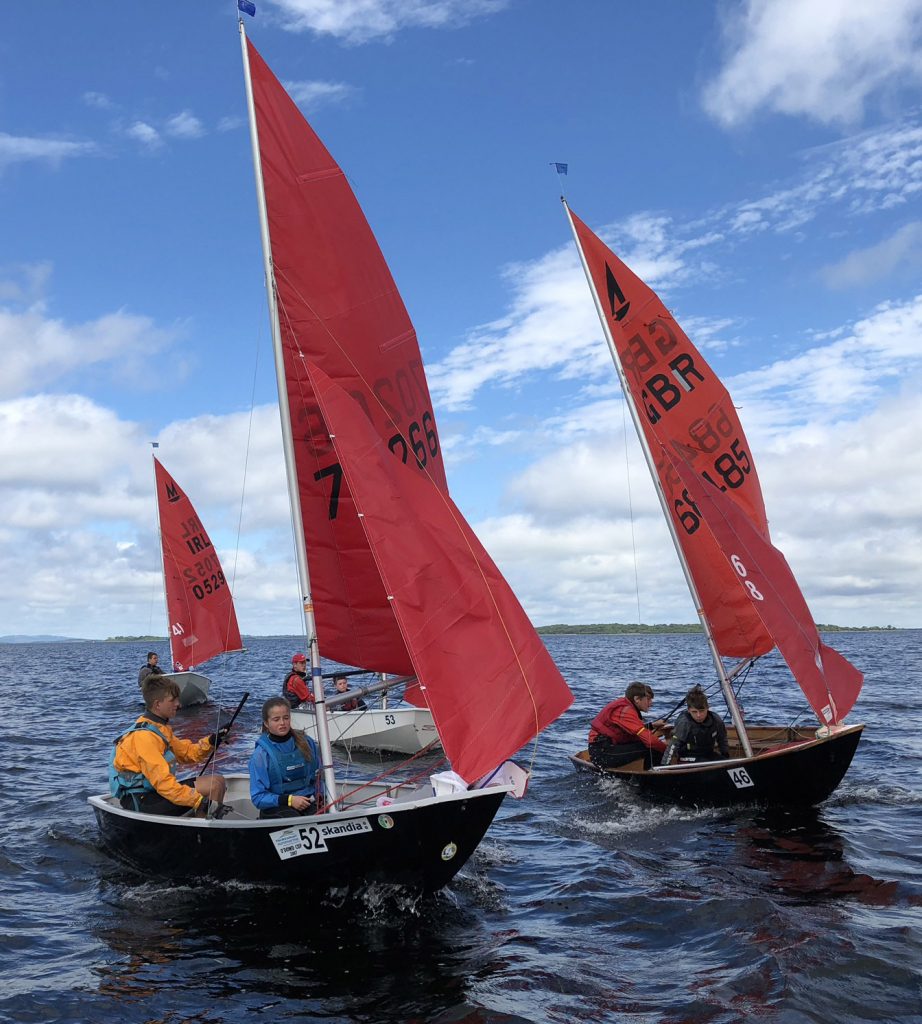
point(143, 751)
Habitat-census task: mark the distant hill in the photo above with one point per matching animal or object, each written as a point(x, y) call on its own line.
point(134, 639)
point(22, 638)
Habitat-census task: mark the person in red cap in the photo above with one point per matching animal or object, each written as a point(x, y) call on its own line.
point(296, 688)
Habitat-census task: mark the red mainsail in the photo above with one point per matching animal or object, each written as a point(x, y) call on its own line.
point(339, 308)
point(490, 683)
point(200, 608)
point(683, 407)
point(829, 681)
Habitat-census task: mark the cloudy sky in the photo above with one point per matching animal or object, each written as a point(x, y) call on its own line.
point(759, 163)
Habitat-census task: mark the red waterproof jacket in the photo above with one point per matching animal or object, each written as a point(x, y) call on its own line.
point(620, 721)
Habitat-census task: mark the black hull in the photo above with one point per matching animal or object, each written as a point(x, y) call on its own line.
point(421, 846)
point(800, 774)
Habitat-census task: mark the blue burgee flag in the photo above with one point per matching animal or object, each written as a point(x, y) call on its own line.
point(560, 168)
point(156, 444)
point(247, 7)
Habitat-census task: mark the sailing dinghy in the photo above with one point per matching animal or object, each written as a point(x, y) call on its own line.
point(747, 598)
point(393, 728)
point(201, 621)
point(392, 578)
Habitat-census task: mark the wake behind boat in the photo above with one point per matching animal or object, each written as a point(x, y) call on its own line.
point(376, 538)
point(201, 620)
point(746, 596)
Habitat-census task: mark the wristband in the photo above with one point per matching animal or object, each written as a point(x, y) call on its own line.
point(289, 800)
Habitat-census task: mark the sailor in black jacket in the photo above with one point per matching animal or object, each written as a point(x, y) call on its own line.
point(699, 734)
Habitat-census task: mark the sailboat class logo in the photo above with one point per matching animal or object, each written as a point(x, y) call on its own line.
point(172, 491)
point(614, 292)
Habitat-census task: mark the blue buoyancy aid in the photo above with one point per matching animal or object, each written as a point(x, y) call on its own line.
point(289, 772)
point(135, 784)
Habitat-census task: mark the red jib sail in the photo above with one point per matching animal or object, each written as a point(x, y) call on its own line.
point(829, 681)
point(490, 683)
point(338, 307)
point(200, 608)
point(683, 406)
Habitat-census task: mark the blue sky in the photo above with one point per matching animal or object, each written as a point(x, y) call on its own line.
point(759, 163)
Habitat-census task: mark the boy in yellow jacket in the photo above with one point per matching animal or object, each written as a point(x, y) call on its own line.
point(143, 768)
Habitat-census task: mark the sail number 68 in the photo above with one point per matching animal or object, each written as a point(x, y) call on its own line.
point(743, 572)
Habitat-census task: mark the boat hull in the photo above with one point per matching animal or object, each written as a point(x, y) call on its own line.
point(397, 730)
point(193, 687)
point(799, 772)
point(420, 844)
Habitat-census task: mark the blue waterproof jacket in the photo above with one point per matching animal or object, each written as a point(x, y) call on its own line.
point(279, 770)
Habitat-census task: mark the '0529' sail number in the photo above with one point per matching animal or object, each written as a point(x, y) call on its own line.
point(207, 578)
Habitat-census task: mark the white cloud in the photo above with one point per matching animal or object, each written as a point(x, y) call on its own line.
point(832, 433)
point(815, 58)
point(184, 125)
point(861, 266)
point(99, 100)
point(39, 351)
point(310, 96)
point(21, 149)
point(359, 21)
point(146, 134)
point(79, 527)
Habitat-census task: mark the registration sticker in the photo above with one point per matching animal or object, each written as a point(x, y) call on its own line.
point(740, 777)
point(302, 839)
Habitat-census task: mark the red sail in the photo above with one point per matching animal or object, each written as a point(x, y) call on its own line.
point(682, 404)
point(490, 683)
point(200, 608)
point(338, 307)
point(830, 682)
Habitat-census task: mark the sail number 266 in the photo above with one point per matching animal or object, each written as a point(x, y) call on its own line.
point(420, 439)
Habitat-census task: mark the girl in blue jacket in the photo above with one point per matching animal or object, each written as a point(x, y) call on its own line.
point(283, 767)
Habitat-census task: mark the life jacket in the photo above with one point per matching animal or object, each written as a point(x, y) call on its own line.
point(295, 699)
point(288, 770)
point(136, 784)
point(700, 738)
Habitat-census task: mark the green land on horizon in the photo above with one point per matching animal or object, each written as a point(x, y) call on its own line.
point(595, 628)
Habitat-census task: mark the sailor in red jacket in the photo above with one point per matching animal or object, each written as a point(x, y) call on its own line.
point(619, 734)
point(296, 688)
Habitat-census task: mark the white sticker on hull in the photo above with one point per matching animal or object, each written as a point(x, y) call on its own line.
point(312, 838)
point(740, 777)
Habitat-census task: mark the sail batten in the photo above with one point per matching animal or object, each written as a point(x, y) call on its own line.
point(201, 619)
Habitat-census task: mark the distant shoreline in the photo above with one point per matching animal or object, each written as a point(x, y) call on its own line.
point(612, 628)
point(556, 629)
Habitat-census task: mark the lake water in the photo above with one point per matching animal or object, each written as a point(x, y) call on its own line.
point(580, 905)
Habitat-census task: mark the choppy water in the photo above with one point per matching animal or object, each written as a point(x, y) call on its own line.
point(579, 906)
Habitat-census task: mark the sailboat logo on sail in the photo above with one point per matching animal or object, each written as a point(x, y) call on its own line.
point(614, 292)
point(172, 491)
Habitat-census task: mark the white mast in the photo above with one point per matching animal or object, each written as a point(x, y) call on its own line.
point(725, 685)
point(310, 627)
